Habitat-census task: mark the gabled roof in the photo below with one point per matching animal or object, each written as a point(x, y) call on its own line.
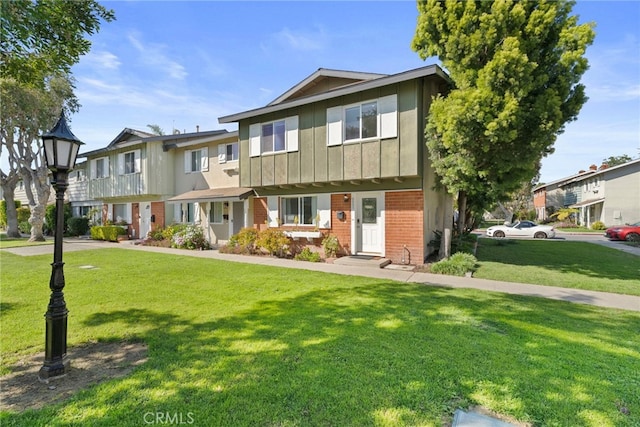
point(382, 80)
point(324, 79)
point(130, 137)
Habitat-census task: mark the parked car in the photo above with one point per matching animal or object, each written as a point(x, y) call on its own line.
point(629, 232)
point(522, 229)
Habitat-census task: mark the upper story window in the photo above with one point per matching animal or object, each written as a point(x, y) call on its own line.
point(129, 162)
point(99, 168)
point(228, 152)
point(376, 118)
point(196, 160)
point(273, 137)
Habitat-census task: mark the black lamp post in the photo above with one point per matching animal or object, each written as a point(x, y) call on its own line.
point(61, 149)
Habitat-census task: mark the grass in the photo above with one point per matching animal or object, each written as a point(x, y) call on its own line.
point(6, 242)
point(580, 265)
point(242, 344)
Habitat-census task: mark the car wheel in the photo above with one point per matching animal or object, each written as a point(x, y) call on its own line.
point(633, 237)
point(540, 235)
point(499, 234)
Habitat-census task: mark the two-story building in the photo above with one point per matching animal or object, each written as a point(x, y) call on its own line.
point(150, 181)
point(344, 153)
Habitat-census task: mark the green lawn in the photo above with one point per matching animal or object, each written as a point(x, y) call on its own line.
point(245, 345)
point(580, 265)
point(6, 242)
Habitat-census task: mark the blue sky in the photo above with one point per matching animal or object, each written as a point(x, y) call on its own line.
point(182, 64)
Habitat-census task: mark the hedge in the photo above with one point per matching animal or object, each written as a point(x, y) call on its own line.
point(107, 232)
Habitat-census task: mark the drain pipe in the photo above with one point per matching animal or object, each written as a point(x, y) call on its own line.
point(404, 249)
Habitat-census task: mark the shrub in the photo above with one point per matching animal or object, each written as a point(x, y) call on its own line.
point(308, 255)
point(77, 226)
point(156, 234)
point(456, 265)
point(330, 245)
point(598, 225)
point(50, 217)
point(190, 237)
point(24, 227)
point(171, 230)
point(244, 240)
point(273, 241)
point(109, 233)
point(3, 211)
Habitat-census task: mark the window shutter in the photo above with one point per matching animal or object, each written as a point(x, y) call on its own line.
point(177, 212)
point(107, 172)
point(334, 125)
point(272, 204)
point(136, 155)
point(254, 140)
point(324, 208)
point(93, 173)
point(187, 161)
point(388, 110)
point(204, 159)
point(291, 127)
point(121, 164)
point(222, 153)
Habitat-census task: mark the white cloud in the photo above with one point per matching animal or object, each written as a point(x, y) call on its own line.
point(103, 60)
point(301, 40)
point(154, 55)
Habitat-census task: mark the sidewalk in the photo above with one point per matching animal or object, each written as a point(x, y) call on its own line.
point(601, 299)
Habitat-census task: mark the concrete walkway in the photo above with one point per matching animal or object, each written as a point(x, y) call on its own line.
point(601, 299)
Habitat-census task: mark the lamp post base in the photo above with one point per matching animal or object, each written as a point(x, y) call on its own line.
point(54, 370)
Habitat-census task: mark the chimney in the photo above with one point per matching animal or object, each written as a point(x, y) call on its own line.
point(604, 166)
point(593, 168)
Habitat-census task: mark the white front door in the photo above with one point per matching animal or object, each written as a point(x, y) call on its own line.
point(369, 222)
point(145, 219)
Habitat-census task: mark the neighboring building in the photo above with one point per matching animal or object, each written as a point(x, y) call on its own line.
point(151, 181)
point(207, 185)
point(607, 194)
point(343, 153)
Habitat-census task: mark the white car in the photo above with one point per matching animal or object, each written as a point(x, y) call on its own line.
point(522, 229)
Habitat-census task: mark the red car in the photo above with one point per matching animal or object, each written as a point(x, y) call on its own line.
point(629, 232)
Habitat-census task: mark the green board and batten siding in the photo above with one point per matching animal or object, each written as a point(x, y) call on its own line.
point(315, 162)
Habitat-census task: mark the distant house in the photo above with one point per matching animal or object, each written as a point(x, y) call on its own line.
point(77, 193)
point(607, 194)
point(343, 153)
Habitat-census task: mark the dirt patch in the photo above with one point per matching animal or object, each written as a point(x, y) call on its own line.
point(90, 364)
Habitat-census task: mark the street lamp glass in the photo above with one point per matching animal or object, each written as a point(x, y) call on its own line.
point(61, 147)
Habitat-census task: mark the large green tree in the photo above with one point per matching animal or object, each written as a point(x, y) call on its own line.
point(40, 40)
point(515, 68)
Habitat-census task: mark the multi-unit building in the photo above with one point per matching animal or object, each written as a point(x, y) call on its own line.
point(343, 153)
point(607, 194)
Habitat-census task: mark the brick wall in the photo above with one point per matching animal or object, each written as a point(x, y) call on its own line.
point(341, 228)
point(157, 209)
point(260, 212)
point(404, 226)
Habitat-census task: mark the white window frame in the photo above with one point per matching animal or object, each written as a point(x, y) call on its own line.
point(105, 168)
point(223, 152)
point(290, 137)
point(300, 208)
point(129, 167)
point(386, 121)
point(203, 163)
point(216, 213)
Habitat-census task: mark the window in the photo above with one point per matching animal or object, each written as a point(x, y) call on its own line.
point(228, 152)
point(196, 160)
point(361, 121)
point(377, 118)
point(298, 210)
point(102, 167)
point(129, 163)
point(120, 213)
point(273, 137)
point(215, 213)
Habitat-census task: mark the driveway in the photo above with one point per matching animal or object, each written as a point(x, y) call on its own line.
point(598, 239)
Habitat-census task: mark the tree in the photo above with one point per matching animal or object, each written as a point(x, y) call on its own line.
point(39, 42)
point(156, 130)
point(25, 113)
point(616, 160)
point(43, 37)
point(515, 69)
